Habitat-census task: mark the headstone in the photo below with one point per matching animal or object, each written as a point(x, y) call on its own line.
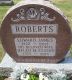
point(36, 32)
point(6, 1)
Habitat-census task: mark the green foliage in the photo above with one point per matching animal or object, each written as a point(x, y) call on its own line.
point(33, 77)
point(2, 77)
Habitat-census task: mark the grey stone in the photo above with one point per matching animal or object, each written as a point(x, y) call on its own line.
point(6, 1)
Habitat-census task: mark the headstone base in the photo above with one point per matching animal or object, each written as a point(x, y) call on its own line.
point(9, 62)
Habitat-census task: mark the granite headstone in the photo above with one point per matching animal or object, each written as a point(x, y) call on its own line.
point(36, 32)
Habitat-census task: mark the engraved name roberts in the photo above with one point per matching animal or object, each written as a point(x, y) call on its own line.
point(34, 28)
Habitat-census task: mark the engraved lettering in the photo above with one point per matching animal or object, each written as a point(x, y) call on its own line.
point(39, 28)
point(34, 28)
point(35, 46)
point(50, 28)
point(29, 29)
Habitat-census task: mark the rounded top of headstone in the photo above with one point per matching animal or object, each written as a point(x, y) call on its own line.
point(35, 32)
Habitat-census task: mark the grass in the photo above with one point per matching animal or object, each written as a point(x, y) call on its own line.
point(64, 5)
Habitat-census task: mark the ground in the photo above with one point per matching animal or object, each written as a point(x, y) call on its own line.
point(64, 5)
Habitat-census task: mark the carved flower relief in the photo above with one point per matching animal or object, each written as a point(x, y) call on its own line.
point(33, 14)
point(45, 16)
point(19, 16)
point(22, 14)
